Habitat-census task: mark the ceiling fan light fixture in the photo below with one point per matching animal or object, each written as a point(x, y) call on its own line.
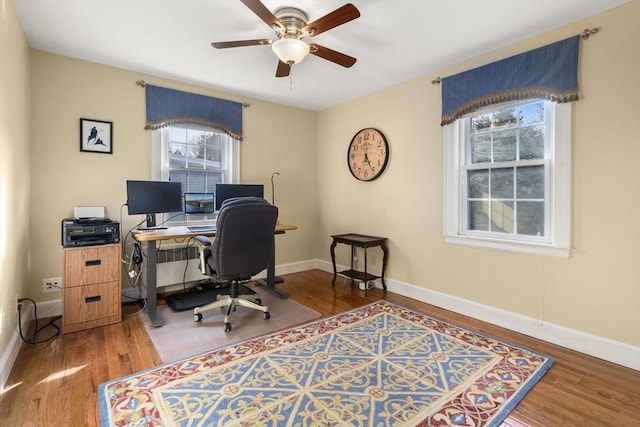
point(290, 50)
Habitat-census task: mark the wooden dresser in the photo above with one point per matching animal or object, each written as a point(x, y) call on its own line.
point(91, 287)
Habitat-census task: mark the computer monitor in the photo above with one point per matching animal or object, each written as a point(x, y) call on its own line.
point(230, 191)
point(198, 203)
point(152, 197)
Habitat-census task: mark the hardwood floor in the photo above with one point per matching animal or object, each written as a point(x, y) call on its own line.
point(55, 383)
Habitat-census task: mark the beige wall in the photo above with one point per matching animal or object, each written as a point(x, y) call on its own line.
point(65, 89)
point(597, 290)
point(14, 168)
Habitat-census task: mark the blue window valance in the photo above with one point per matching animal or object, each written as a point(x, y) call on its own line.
point(167, 107)
point(549, 72)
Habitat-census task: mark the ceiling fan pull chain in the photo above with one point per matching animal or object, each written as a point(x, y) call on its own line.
point(290, 82)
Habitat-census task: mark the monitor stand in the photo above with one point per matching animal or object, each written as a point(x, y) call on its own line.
point(151, 224)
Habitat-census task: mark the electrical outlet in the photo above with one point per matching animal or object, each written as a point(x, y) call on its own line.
point(52, 285)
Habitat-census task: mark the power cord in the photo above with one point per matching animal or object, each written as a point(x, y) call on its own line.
point(37, 329)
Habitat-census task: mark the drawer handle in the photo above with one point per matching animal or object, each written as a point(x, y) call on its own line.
point(91, 262)
point(93, 299)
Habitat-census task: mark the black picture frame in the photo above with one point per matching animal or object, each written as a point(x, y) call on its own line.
point(96, 136)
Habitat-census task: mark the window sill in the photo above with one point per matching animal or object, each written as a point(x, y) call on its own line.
point(510, 246)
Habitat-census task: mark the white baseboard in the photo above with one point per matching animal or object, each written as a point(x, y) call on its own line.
point(10, 354)
point(49, 309)
point(593, 345)
point(603, 348)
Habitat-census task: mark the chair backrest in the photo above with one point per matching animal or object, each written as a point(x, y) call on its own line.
point(244, 237)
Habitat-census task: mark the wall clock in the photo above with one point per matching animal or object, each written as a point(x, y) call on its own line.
point(368, 154)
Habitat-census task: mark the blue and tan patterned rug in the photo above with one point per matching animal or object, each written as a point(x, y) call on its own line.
point(378, 365)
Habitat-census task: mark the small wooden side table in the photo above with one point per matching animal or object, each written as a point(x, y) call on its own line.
point(359, 241)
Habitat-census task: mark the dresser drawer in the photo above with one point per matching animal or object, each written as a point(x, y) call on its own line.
point(92, 305)
point(95, 264)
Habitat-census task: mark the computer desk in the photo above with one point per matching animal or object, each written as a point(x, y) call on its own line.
point(152, 237)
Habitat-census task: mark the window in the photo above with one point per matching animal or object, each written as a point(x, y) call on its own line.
point(507, 178)
point(198, 158)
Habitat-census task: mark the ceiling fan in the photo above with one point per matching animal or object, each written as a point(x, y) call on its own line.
point(290, 25)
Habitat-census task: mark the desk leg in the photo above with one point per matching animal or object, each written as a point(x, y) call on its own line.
point(271, 281)
point(333, 261)
point(151, 283)
point(385, 252)
point(364, 278)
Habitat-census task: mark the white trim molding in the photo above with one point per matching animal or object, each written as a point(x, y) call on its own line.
point(557, 162)
point(10, 354)
point(593, 345)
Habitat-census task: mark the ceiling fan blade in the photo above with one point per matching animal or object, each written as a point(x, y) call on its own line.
point(331, 55)
point(283, 69)
point(341, 15)
point(263, 13)
point(240, 43)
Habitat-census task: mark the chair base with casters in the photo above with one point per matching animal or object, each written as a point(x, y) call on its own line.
point(230, 303)
point(241, 249)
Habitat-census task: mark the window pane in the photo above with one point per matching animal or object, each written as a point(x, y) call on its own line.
point(504, 145)
point(478, 218)
point(531, 218)
point(177, 135)
point(213, 148)
point(531, 113)
point(479, 184)
point(502, 216)
point(532, 142)
point(176, 155)
point(481, 122)
point(502, 183)
point(481, 148)
point(504, 118)
point(212, 180)
point(197, 182)
point(179, 176)
point(530, 182)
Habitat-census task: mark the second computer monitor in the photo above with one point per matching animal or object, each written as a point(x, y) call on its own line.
point(198, 203)
point(230, 191)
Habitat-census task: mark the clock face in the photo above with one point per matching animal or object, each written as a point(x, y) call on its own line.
point(368, 154)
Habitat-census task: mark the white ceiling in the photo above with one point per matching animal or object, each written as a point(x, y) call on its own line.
point(393, 40)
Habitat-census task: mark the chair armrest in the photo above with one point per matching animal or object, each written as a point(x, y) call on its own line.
point(203, 243)
point(203, 240)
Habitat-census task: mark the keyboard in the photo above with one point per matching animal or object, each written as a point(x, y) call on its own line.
point(201, 228)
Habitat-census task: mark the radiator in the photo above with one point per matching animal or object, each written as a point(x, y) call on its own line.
point(171, 263)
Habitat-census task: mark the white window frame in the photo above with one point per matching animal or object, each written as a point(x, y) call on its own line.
point(557, 241)
point(160, 163)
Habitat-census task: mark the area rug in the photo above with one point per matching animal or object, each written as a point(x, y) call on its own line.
point(378, 365)
point(181, 337)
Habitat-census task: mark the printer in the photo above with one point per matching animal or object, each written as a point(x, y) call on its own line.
point(89, 232)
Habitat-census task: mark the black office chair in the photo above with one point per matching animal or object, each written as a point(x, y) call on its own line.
point(241, 249)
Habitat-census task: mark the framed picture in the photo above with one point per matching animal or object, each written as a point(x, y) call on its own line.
point(96, 136)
